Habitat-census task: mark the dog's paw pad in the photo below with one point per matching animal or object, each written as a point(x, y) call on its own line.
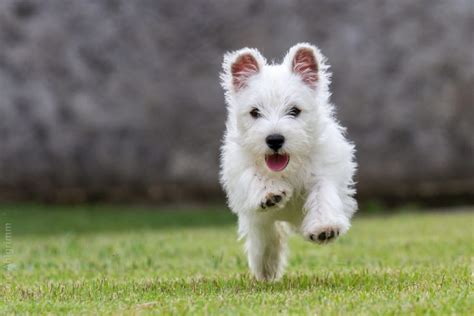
point(276, 199)
point(272, 199)
point(325, 235)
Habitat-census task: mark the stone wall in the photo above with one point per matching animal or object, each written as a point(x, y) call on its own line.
point(119, 100)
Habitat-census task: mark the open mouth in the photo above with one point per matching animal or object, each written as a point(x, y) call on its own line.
point(277, 162)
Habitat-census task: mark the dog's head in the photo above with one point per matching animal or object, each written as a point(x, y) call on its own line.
point(274, 108)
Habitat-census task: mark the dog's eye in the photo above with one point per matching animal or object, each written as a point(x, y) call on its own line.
point(294, 111)
point(255, 113)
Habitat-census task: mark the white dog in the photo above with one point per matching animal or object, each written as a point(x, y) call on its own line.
point(285, 162)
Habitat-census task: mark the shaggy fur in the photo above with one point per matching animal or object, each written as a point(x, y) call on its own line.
point(313, 195)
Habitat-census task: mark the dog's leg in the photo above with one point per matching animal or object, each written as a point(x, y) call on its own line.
point(253, 197)
point(252, 193)
point(325, 218)
point(265, 245)
point(275, 194)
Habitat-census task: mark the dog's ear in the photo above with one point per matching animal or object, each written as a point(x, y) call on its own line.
point(305, 60)
point(239, 67)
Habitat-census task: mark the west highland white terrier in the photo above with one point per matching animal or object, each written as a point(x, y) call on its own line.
point(285, 163)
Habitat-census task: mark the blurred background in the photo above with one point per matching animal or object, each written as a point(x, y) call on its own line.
point(120, 101)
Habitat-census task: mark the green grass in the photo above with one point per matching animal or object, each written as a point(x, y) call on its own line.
point(136, 260)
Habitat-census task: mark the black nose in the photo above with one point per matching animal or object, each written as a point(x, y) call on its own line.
point(275, 141)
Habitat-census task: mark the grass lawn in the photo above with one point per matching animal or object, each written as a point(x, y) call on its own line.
point(102, 259)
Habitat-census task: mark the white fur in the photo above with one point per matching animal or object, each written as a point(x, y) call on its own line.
point(317, 182)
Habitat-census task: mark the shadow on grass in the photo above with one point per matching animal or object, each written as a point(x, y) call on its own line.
point(51, 220)
point(203, 286)
point(338, 281)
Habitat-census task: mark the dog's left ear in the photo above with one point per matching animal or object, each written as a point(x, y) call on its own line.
point(304, 61)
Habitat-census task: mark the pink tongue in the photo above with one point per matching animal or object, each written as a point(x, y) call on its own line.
point(277, 162)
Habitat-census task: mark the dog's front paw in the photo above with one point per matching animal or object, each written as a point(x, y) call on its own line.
point(323, 234)
point(277, 199)
point(327, 234)
point(272, 199)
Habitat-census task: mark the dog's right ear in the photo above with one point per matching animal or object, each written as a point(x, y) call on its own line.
point(239, 67)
